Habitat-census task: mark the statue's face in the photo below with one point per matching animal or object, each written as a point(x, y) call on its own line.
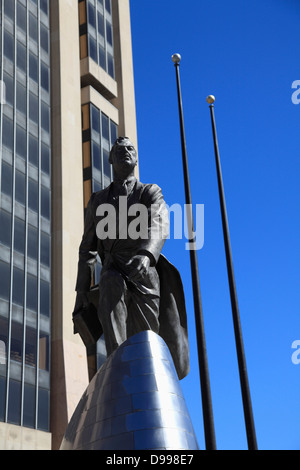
point(124, 157)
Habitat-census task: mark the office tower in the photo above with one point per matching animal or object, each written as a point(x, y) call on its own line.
point(67, 92)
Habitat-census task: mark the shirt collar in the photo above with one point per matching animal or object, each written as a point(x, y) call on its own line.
point(130, 182)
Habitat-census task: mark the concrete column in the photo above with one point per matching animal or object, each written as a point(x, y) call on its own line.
point(69, 376)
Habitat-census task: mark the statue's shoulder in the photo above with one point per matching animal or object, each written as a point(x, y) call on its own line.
point(150, 188)
point(151, 193)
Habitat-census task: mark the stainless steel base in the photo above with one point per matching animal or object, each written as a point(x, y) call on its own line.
point(134, 402)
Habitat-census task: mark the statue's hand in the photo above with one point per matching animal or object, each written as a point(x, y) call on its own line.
point(81, 302)
point(138, 267)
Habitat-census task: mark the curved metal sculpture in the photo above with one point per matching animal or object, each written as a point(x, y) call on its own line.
point(134, 402)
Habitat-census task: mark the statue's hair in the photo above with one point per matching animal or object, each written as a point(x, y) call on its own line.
point(117, 142)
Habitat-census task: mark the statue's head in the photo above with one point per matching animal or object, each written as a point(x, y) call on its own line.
point(123, 156)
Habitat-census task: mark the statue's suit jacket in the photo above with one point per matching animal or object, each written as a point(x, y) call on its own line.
point(172, 316)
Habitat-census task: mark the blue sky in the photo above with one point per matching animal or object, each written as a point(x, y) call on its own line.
point(246, 54)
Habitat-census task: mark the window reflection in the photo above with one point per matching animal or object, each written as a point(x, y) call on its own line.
point(30, 347)
point(20, 187)
point(29, 406)
point(16, 347)
point(19, 235)
point(6, 179)
point(5, 280)
point(32, 243)
point(5, 224)
point(18, 286)
point(21, 17)
point(14, 402)
point(45, 298)
point(31, 299)
point(8, 46)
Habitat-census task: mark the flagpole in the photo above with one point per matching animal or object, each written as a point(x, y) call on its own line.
point(202, 353)
point(248, 413)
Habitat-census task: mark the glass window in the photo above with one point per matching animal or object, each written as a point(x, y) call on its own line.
point(33, 27)
point(30, 347)
point(29, 406)
point(92, 48)
point(109, 33)
point(20, 187)
point(19, 235)
point(95, 119)
point(5, 224)
point(3, 347)
point(2, 397)
point(45, 118)
point(44, 6)
point(102, 57)
point(9, 88)
point(45, 159)
point(96, 155)
point(5, 280)
point(44, 76)
point(14, 402)
point(33, 108)
point(91, 15)
point(44, 35)
point(108, 6)
point(21, 16)
point(33, 67)
point(9, 46)
point(43, 409)
point(33, 195)
point(33, 150)
point(45, 298)
point(31, 300)
point(106, 164)
point(32, 244)
point(21, 144)
point(113, 132)
point(105, 128)
point(96, 186)
point(21, 57)
point(45, 249)
point(8, 133)
point(45, 202)
point(16, 351)
point(110, 65)
point(18, 286)
point(21, 98)
point(9, 9)
point(6, 179)
point(101, 24)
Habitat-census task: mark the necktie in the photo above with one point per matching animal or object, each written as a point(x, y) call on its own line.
point(123, 191)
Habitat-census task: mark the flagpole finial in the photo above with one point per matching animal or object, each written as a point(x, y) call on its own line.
point(210, 99)
point(176, 58)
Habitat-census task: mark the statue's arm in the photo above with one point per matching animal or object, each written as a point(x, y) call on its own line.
point(158, 223)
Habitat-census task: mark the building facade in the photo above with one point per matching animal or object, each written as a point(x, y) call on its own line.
point(67, 92)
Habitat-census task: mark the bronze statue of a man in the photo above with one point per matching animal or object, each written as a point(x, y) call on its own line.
point(138, 288)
